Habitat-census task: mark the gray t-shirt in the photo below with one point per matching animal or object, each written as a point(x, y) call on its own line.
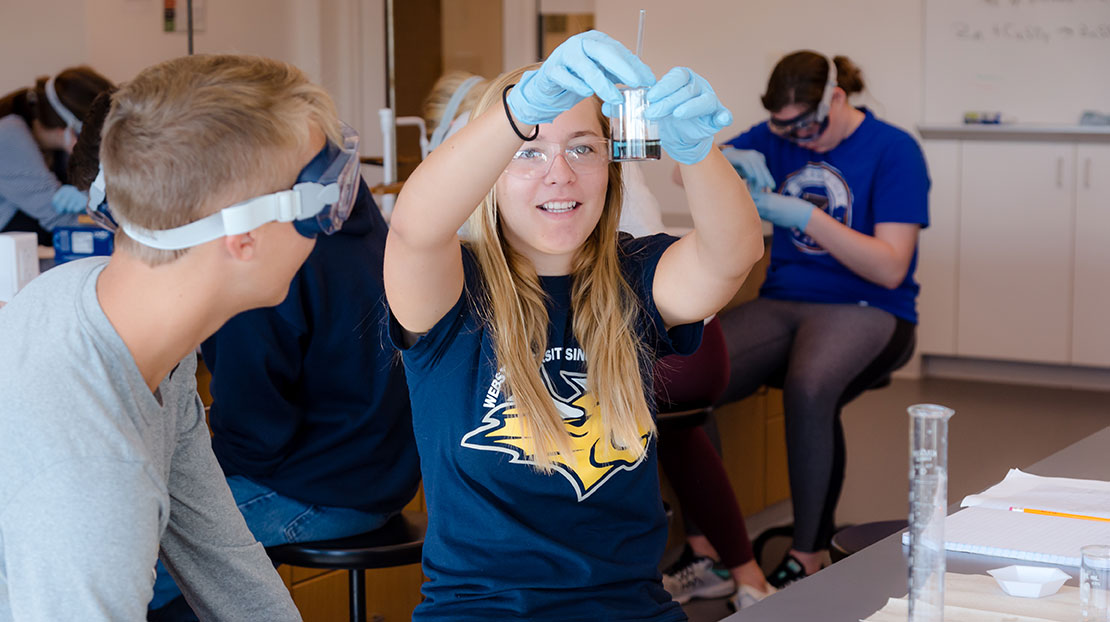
point(97, 474)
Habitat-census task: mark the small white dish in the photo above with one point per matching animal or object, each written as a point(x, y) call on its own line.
point(1029, 581)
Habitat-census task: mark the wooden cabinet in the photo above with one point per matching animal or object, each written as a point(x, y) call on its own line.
point(753, 430)
point(1091, 329)
point(391, 594)
point(753, 447)
point(1016, 223)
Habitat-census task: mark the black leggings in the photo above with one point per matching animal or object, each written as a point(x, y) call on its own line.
point(823, 356)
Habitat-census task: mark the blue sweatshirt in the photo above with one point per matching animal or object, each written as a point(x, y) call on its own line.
point(309, 398)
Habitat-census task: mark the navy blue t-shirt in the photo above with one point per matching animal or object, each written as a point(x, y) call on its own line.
point(505, 541)
point(877, 174)
point(309, 399)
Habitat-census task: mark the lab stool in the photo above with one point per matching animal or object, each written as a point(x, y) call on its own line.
point(858, 537)
point(398, 542)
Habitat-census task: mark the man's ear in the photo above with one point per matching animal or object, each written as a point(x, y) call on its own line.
point(838, 96)
point(240, 246)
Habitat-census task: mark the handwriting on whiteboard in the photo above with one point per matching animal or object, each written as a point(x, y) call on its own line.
point(1000, 3)
point(1030, 32)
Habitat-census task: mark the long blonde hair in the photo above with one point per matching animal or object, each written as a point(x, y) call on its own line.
point(605, 309)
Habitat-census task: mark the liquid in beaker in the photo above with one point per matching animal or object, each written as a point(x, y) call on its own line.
point(633, 136)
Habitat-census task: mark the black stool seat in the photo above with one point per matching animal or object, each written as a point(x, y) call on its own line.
point(399, 542)
point(685, 418)
point(858, 537)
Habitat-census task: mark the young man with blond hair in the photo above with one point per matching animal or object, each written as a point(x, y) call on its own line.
point(105, 459)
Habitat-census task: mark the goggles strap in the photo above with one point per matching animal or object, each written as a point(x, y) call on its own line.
point(96, 191)
point(56, 103)
point(304, 201)
point(204, 230)
point(826, 95)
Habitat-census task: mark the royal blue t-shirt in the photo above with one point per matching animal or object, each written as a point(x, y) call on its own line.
point(505, 542)
point(877, 174)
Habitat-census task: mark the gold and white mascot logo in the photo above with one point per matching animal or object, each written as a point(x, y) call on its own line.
point(590, 466)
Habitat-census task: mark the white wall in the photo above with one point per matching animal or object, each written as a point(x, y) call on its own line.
point(39, 38)
point(518, 44)
point(736, 44)
point(123, 36)
point(338, 43)
point(341, 44)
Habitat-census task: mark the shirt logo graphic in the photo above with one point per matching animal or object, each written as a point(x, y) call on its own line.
point(823, 185)
point(589, 467)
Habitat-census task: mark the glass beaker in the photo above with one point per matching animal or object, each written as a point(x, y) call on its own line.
point(928, 507)
point(633, 137)
point(1094, 583)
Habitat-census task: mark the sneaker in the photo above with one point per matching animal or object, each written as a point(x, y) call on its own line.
point(697, 579)
point(747, 596)
point(788, 571)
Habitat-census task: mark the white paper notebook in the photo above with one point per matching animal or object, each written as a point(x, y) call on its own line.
point(1057, 494)
point(1017, 535)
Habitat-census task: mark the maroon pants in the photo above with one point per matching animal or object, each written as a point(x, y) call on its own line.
point(687, 456)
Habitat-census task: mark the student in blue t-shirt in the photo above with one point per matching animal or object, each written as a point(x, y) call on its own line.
point(527, 349)
point(847, 194)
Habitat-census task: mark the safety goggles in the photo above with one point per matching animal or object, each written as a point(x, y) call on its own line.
point(804, 128)
point(808, 126)
point(319, 202)
point(583, 155)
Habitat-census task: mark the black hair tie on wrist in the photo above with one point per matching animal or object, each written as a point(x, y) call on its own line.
point(505, 101)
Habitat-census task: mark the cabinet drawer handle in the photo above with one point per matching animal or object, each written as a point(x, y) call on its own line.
point(1059, 172)
point(1087, 173)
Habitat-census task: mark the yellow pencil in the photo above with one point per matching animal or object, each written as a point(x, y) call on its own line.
point(1062, 514)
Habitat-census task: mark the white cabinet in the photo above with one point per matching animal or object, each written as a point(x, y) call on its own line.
point(1016, 224)
point(1091, 329)
point(938, 251)
point(1016, 263)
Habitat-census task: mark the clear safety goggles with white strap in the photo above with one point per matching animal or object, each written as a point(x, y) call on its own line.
point(319, 202)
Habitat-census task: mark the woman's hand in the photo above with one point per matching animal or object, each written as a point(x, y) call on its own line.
point(585, 64)
point(752, 166)
point(784, 211)
point(69, 200)
point(689, 114)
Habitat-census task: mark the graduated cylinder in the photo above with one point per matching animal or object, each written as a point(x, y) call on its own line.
point(928, 507)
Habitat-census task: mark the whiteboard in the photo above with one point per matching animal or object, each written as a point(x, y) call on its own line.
point(1035, 61)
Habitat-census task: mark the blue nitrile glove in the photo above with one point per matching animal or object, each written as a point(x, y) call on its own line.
point(69, 200)
point(688, 112)
point(752, 166)
point(585, 64)
point(783, 211)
